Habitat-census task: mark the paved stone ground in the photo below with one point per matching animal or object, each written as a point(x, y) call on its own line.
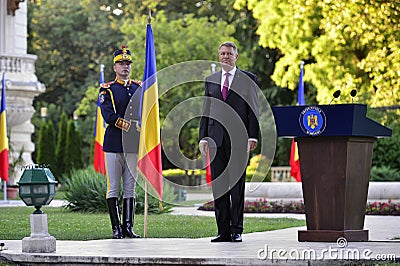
point(278, 247)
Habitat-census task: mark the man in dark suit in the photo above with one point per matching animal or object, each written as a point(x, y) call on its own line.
point(229, 130)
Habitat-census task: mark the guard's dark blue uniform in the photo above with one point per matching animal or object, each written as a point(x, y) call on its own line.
point(117, 101)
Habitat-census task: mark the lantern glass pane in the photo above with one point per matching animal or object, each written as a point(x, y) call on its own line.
point(40, 201)
point(26, 189)
point(40, 189)
point(52, 189)
point(28, 201)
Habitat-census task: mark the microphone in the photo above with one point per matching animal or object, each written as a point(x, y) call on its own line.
point(336, 95)
point(353, 94)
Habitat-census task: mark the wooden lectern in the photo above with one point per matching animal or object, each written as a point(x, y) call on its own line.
point(335, 145)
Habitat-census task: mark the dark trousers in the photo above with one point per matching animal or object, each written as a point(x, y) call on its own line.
point(228, 188)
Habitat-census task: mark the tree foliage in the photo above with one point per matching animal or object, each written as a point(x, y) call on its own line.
point(71, 39)
point(346, 45)
point(61, 154)
point(47, 144)
point(73, 156)
point(387, 150)
point(53, 114)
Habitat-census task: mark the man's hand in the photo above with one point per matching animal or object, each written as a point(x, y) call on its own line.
point(251, 145)
point(203, 147)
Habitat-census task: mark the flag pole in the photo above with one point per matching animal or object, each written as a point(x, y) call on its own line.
point(146, 187)
point(3, 71)
point(5, 191)
point(146, 203)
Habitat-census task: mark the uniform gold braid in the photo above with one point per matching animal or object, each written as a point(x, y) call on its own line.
point(112, 100)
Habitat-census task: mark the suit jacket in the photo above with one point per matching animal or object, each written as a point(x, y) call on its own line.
point(238, 113)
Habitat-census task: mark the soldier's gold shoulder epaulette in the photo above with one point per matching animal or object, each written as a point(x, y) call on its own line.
point(106, 85)
point(138, 82)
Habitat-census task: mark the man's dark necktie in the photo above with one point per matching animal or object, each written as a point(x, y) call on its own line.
point(225, 86)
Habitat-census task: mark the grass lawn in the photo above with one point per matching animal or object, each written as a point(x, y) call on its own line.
point(66, 225)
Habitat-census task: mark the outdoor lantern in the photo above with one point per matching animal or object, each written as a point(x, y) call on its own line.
point(37, 186)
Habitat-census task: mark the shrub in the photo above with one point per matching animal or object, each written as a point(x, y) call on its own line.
point(86, 192)
point(384, 173)
point(184, 177)
point(387, 150)
point(265, 206)
point(61, 148)
point(181, 172)
point(153, 203)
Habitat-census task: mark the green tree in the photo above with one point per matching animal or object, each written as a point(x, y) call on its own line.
point(46, 147)
point(51, 145)
point(73, 148)
point(387, 150)
point(41, 143)
point(53, 114)
point(61, 149)
point(346, 45)
point(80, 39)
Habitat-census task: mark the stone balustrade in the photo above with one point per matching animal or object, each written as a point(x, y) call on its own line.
point(18, 63)
point(281, 174)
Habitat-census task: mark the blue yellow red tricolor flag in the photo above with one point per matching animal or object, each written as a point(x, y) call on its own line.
point(99, 129)
point(4, 164)
point(294, 153)
point(149, 156)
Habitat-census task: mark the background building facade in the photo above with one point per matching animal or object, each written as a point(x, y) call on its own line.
point(21, 83)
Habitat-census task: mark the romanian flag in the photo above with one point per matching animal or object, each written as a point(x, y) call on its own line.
point(99, 130)
point(4, 164)
point(294, 153)
point(149, 157)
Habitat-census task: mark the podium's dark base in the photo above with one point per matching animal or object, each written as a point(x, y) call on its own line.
point(332, 236)
point(335, 173)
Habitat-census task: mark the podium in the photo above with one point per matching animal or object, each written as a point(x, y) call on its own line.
point(335, 144)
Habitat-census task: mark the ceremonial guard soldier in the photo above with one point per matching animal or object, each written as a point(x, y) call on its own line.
point(119, 103)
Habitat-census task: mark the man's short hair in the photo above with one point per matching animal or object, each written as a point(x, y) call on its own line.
point(228, 44)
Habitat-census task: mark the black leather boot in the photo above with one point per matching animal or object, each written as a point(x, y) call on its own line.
point(113, 209)
point(128, 212)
